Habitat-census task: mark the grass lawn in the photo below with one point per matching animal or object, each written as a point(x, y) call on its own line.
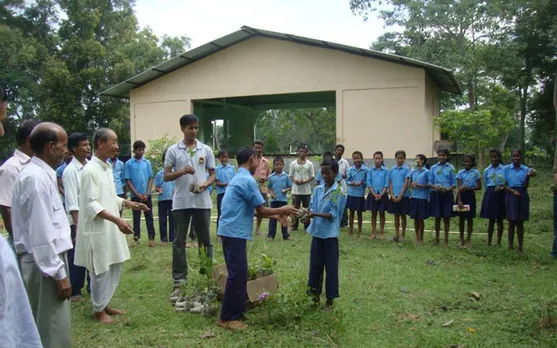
point(392, 295)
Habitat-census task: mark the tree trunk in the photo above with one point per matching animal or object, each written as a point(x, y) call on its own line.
point(555, 106)
point(523, 100)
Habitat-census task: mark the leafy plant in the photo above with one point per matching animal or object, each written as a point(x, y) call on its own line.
point(155, 150)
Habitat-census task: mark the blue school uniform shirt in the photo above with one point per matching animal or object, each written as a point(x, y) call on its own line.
point(516, 177)
point(420, 177)
point(241, 198)
point(355, 174)
point(442, 175)
point(224, 174)
point(167, 187)
point(60, 170)
point(469, 178)
point(138, 172)
point(118, 174)
point(277, 183)
point(378, 178)
point(333, 201)
point(397, 178)
point(210, 188)
point(494, 176)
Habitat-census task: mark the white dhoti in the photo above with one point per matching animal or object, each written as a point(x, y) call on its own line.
point(104, 285)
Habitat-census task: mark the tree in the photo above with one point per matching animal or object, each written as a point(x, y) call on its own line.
point(555, 107)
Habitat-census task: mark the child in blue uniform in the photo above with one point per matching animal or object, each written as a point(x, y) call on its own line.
point(419, 196)
point(493, 203)
point(468, 181)
point(224, 173)
point(319, 179)
point(377, 200)
point(166, 193)
point(356, 182)
point(279, 184)
point(398, 189)
point(326, 209)
point(442, 182)
point(235, 228)
point(517, 201)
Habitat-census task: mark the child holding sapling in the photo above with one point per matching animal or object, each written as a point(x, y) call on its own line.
point(493, 203)
point(442, 182)
point(377, 200)
point(398, 190)
point(279, 184)
point(326, 209)
point(517, 201)
point(235, 228)
point(419, 205)
point(468, 181)
point(356, 182)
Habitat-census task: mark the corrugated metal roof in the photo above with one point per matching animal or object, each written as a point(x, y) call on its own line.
point(444, 78)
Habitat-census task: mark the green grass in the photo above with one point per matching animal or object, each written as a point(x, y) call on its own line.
point(392, 295)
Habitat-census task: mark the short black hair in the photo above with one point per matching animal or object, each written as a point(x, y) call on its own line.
point(327, 154)
point(40, 138)
point(222, 153)
point(471, 157)
point(24, 130)
point(443, 150)
point(258, 142)
point(278, 159)
point(496, 151)
point(332, 163)
point(138, 144)
point(101, 134)
point(400, 153)
point(243, 155)
point(188, 119)
point(359, 153)
point(75, 138)
point(516, 150)
point(339, 145)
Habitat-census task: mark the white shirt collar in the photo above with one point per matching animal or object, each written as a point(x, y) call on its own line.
point(78, 164)
point(48, 169)
point(21, 157)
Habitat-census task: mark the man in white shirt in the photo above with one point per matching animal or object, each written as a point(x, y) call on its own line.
point(42, 236)
point(343, 168)
point(78, 144)
point(187, 163)
point(11, 169)
point(301, 175)
point(101, 242)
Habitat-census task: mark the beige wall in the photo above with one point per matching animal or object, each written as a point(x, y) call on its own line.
point(371, 94)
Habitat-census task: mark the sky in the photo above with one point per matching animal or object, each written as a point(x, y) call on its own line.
point(207, 20)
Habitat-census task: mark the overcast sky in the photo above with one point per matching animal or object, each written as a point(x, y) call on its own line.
point(207, 20)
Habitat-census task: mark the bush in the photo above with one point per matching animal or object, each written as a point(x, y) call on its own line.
point(155, 149)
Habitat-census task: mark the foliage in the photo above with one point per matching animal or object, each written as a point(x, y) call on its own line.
point(260, 267)
point(155, 150)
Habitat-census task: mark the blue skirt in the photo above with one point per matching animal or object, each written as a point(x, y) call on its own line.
point(493, 204)
point(441, 204)
point(400, 208)
point(377, 205)
point(518, 207)
point(419, 209)
point(468, 197)
point(356, 203)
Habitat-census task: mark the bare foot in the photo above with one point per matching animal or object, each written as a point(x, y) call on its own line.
point(76, 298)
point(380, 237)
point(113, 311)
point(372, 236)
point(103, 317)
point(232, 325)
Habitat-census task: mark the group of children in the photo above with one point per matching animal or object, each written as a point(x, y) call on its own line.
point(426, 191)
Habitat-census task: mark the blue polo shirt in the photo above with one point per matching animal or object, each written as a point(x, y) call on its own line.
point(354, 175)
point(60, 170)
point(468, 178)
point(224, 174)
point(167, 186)
point(378, 178)
point(326, 201)
point(241, 198)
point(420, 177)
point(494, 176)
point(442, 175)
point(397, 178)
point(138, 172)
point(277, 183)
point(516, 177)
point(118, 173)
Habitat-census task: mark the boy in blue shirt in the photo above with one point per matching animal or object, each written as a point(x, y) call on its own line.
point(235, 228)
point(138, 174)
point(326, 209)
point(224, 173)
point(166, 192)
point(279, 183)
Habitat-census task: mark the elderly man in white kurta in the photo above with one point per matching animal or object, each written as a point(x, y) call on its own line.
point(101, 242)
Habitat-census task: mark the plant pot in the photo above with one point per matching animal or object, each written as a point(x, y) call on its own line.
point(194, 188)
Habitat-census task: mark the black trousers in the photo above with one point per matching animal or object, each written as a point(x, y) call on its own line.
point(77, 273)
point(235, 292)
point(148, 219)
point(323, 257)
point(166, 220)
point(298, 200)
point(219, 202)
point(273, 223)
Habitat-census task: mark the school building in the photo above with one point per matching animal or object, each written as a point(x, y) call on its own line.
point(382, 101)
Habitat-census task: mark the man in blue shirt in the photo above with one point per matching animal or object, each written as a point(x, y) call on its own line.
point(138, 174)
point(166, 192)
point(118, 174)
point(326, 209)
point(235, 228)
point(225, 173)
